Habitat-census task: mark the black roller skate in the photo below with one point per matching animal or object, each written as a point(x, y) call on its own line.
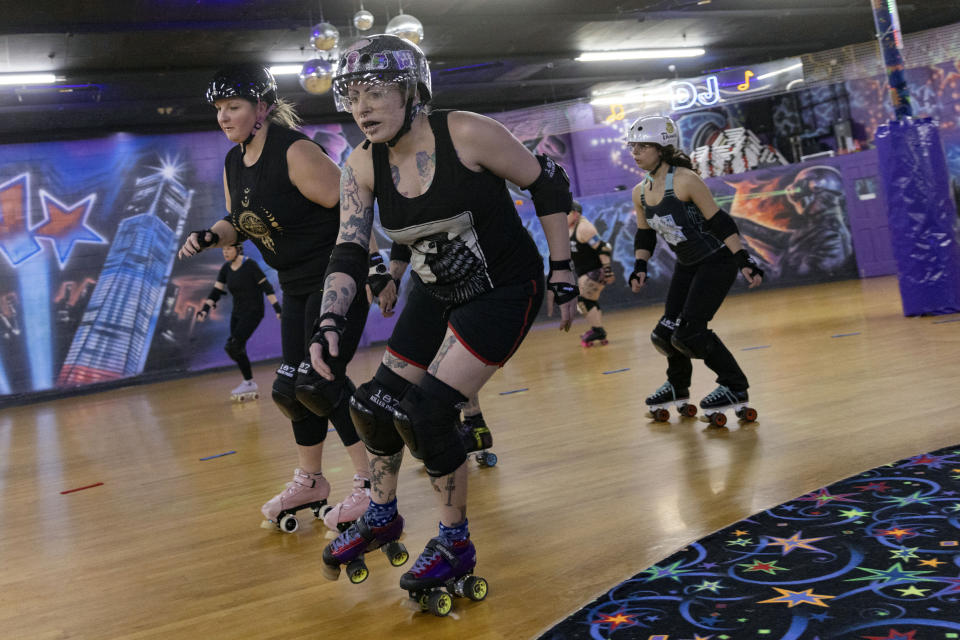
point(351, 545)
point(477, 438)
point(443, 571)
point(596, 334)
point(667, 395)
point(723, 398)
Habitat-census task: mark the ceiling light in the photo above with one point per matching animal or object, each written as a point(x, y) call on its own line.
point(27, 78)
point(286, 69)
point(638, 54)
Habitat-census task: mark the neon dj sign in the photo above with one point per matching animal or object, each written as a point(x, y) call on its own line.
point(686, 95)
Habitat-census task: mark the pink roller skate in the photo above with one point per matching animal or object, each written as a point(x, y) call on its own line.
point(306, 490)
point(359, 538)
point(596, 334)
point(342, 514)
point(443, 571)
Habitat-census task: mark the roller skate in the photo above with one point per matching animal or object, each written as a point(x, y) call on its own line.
point(596, 334)
point(477, 438)
point(667, 395)
point(342, 515)
point(443, 571)
point(305, 491)
point(359, 538)
point(723, 398)
point(246, 391)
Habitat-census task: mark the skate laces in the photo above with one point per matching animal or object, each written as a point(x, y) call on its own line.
point(720, 393)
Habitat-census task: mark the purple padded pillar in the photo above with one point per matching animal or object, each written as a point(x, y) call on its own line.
point(922, 216)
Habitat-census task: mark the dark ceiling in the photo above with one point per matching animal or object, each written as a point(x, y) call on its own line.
point(142, 65)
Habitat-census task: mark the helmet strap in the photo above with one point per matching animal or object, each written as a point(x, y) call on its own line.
point(256, 127)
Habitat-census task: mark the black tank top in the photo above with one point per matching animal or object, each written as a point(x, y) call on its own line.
point(680, 224)
point(585, 257)
point(243, 285)
point(464, 231)
point(294, 234)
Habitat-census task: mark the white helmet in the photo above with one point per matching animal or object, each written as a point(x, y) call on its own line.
point(661, 130)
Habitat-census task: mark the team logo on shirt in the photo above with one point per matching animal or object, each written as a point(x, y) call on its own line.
point(666, 227)
point(446, 254)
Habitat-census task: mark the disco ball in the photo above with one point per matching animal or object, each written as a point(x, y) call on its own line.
point(363, 20)
point(324, 37)
point(406, 26)
point(316, 76)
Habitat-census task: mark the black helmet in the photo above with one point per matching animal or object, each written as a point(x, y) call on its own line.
point(250, 81)
point(381, 58)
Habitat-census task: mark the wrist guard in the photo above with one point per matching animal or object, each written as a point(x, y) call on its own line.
point(744, 261)
point(205, 309)
point(277, 307)
point(640, 266)
point(202, 238)
point(560, 265)
point(321, 330)
point(378, 276)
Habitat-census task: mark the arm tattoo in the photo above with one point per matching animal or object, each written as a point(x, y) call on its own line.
point(359, 218)
point(339, 290)
point(380, 468)
point(441, 354)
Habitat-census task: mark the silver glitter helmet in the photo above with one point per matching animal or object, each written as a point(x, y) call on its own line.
point(384, 59)
point(249, 81)
point(660, 130)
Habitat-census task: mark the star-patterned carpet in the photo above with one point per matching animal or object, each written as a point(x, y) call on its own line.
point(872, 557)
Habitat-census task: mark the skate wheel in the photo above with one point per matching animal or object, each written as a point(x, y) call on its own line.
point(661, 415)
point(491, 459)
point(397, 553)
point(688, 410)
point(586, 345)
point(718, 419)
point(604, 342)
point(422, 601)
point(357, 570)
point(475, 588)
point(289, 523)
point(330, 572)
point(439, 603)
point(748, 414)
point(321, 512)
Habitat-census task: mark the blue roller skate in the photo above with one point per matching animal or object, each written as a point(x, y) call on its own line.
point(351, 545)
point(443, 571)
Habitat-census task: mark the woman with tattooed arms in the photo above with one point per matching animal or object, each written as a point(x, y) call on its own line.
point(281, 193)
point(438, 178)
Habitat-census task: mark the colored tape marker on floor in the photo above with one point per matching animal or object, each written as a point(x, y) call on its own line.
point(763, 346)
point(845, 335)
point(946, 321)
point(89, 486)
point(506, 393)
point(219, 455)
point(606, 373)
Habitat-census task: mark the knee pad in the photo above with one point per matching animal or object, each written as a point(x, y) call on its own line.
point(372, 407)
point(694, 340)
point(285, 395)
point(584, 305)
point(427, 421)
point(661, 336)
point(234, 348)
point(319, 395)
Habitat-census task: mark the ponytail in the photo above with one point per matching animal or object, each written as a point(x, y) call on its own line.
point(284, 114)
point(675, 157)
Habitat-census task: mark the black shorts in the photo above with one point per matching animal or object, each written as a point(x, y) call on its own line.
point(491, 326)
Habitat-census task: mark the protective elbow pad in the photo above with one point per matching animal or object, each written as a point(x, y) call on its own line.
point(215, 294)
point(319, 395)
point(605, 248)
point(399, 252)
point(349, 258)
point(721, 226)
point(645, 240)
point(371, 408)
point(551, 190)
point(426, 419)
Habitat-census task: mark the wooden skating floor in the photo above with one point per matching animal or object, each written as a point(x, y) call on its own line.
point(587, 491)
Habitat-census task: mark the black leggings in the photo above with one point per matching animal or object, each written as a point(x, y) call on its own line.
point(242, 326)
point(696, 293)
point(296, 329)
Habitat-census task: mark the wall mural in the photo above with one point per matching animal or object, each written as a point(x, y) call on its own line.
point(91, 291)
